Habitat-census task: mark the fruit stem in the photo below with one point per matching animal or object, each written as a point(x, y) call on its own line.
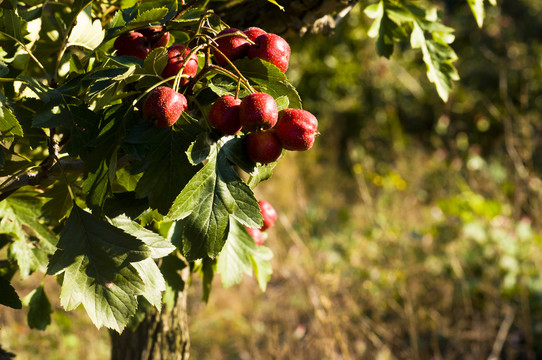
point(242, 80)
point(239, 75)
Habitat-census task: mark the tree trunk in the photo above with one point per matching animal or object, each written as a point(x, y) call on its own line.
point(160, 336)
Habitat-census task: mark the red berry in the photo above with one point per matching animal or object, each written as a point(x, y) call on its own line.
point(164, 106)
point(224, 115)
point(258, 111)
point(156, 37)
point(233, 47)
point(132, 44)
point(296, 129)
point(253, 32)
point(263, 147)
point(268, 213)
point(176, 57)
point(256, 234)
point(271, 48)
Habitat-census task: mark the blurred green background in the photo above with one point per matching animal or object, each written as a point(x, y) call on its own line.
point(412, 229)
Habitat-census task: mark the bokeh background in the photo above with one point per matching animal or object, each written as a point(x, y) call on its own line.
point(412, 229)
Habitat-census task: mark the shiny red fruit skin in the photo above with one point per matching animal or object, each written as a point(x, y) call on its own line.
point(253, 32)
point(269, 214)
point(263, 147)
point(256, 234)
point(176, 56)
point(155, 37)
point(271, 48)
point(164, 106)
point(132, 44)
point(224, 115)
point(258, 111)
point(233, 47)
point(296, 129)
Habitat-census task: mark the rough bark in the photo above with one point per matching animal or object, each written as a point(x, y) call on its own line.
point(160, 336)
point(299, 16)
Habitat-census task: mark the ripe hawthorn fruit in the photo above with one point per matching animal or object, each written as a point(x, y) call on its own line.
point(176, 57)
point(258, 111)
point(263, 147)
point(296, 129)
point(132, 44)
point(253, 32)
point(271, 48)
point(233, 46)
point(164, 106)
point(224, 115)
point(256, 234)
point(269, 214)
point(156, 37)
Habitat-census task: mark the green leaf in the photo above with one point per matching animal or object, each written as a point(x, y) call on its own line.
point(158, 245)
point(96, 259)
point(39, 313)
point(156, 61)
point(13, 25)
point(86, 33)
point(21, 251)
point(477, 8)
point(241, 256)
point(205, 206)
point(153, 280)
point(166, 167)
point(150, 16)
point(8, 295)
point(269, 79)
point(9, 126)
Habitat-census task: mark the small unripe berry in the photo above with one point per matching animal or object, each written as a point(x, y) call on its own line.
point(176, 57)
point(258, 111)
point(256, 234)
point(271, 48)
point(268, 213)
point(233, 46)
point(132, 44)
point(224, 115)
point(263, 147)
point(296, 129)
point(164, 106)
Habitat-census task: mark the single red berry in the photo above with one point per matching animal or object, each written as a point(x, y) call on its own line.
point(156, 37)
point(271, 48)
point(263, 147)
point(224, 115)
point(132, 44)
point(253, 32)
point(256, 234)
point(164, 106)
point(258, 111)
point(176, 57)
point(268, 213)
point(296, 129)
point(232, 46)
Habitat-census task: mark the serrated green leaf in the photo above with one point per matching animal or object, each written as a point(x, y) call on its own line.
point(60, 202)
point(205, 206)
point(96, 258)
point(156, 61)
point(153, 280)
point(13, 25)
point(269, 79)
point(9, 126)
point(97, 185)
point(21, 251)
point(8, 295)
point(39, 313)
point(86, 33)
point(158, 245)
point(150, 16)
point(166, 167)
point(241, 256)
point(200, 149)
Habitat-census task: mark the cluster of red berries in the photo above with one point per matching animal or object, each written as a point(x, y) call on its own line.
point(269, 131)
point(140, 43)
point(269, 217)
point(254, 43)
